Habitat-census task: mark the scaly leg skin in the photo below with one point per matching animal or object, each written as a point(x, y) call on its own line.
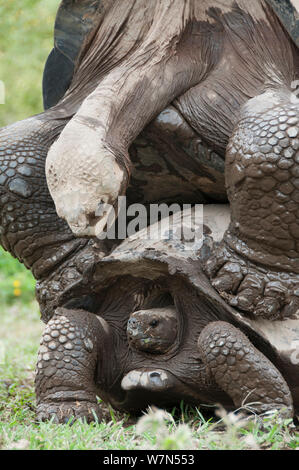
point(256, 267)
point(29, 226)
point(66, 367)
point(242, 371)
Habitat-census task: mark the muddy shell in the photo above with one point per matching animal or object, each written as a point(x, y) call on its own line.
point(160, 256)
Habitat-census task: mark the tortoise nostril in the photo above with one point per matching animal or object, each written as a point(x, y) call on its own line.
point(154, 374)
point(132, 323)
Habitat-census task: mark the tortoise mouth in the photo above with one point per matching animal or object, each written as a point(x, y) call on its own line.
point(148, 344)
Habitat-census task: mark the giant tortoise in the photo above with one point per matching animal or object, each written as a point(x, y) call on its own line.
point(173, 101)
point(156, 332)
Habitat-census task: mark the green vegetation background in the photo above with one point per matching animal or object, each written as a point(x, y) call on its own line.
point(26, 38)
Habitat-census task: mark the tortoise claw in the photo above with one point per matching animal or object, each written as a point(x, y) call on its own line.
point(68, 412)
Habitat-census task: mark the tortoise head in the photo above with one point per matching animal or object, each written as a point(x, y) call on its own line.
point(153, 330)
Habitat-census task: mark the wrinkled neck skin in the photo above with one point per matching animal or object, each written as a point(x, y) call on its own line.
point(142, 57)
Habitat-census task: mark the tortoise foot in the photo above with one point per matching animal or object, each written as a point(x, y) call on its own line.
point(253, 289)
point(256, 266)
point(244, 373)
point(67, 364)
point(68, 412)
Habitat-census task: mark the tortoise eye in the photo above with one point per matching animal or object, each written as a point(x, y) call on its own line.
point(154, 323)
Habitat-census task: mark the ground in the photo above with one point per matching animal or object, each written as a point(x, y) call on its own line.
point(25, 40)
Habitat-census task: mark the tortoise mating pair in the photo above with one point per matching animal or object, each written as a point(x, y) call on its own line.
point(163, 91)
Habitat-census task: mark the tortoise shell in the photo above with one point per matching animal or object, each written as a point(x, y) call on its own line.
point(75, 23)
point(288, 13)
point(167, 260)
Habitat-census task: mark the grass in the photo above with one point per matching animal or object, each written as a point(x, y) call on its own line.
point(25, 41)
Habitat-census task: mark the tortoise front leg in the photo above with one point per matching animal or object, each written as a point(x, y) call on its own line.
point(256, 266)
point(242, 371)
point(66, 367)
